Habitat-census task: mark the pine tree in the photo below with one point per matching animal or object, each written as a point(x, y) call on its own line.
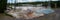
point(3, 4)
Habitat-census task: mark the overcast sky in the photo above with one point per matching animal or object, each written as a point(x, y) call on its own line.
point(12, 1)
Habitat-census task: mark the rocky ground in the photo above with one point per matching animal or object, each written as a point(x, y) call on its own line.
point(52, 16)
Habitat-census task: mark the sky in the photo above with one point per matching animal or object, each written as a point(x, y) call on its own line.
point(13, 1)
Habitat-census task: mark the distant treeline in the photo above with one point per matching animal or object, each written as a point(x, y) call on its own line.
point(52, 3)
